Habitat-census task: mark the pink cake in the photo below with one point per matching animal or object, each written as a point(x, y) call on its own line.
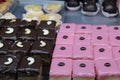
point(83, 52)
point(61, 69)
point(83, 70)
point(83, 28)
point(107, 70)
point(114, 29)
point(65, 38)
point(68, 27)
point(114, 39)
point(116, 52)
point(102, 52)
point(82, 39)
point(100, 38)
point(62, 51)
point(99, 28)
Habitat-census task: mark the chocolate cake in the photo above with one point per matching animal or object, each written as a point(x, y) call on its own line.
point(5, 46)
point(30, 68)
point(2, 22)
point(8, 67)
point(48, 34)
point(47, 24)
point(27, 34)
point(9, 33)
point(20, 47)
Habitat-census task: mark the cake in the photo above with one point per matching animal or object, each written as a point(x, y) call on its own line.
point(90, 7)
point(116, 51)
point(63, 51)
point(100, 29)
point(83, 52)
point(83, 70)
point(109, 8)
point(30, 68)
point(27, 34)
point(82, 39)
point(99, 38)
point(5, 46)
point(67, 27)
point(72, 5)
point(113, 29)
point(65, 38)
point(20, 47)
point(114, 39)
point(61, 69)
point(107, 70)
point(52, 8)
point(9, 33)
point(8, 67)
point(83, 28)
point(102, 52)
point(49, 34)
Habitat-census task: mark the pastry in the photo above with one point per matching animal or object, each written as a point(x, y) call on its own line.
point(116, 51)
point(90, 7)
point(61, 69)
point(109, 8)
point(52, 8)
point(8, 15)
point(72, 5)
point(30, 68)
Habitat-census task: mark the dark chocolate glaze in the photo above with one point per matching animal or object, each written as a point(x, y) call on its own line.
point(73, 3)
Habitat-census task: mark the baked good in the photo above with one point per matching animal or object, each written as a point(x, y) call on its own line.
point(5, 46)
point(8, 68)
point(109, 8)
point(102, 52)
point(61, 69)
point(83, 52)
point(20, 47)
point(116, 51)
point(29, 34)
point(52, 8)
point(49, 34)
point(83, 69)
point(9, 33)
point(8, 15)
point(90, 7)
point(30, 68)
point(2, 22)
point(72, 5)
point(107, 69)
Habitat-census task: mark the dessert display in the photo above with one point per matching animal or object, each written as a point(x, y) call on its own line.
point(90, 7)
point(110, 8)
point(30, 68)
point(72, 5)
point(52, 8)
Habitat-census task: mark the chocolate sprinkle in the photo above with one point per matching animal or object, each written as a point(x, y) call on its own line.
point(61, 64)
point(101, 49)
point(82, 65)
point(107, 64)
point(65, 37)
point(83, 48)
point(62, 48)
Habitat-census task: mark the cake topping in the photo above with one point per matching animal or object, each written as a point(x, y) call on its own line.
point(19, 44)
point(99, 28)
point(61, 64)
point(83, 27)
point(27, 31)
point(119, 51)
point(9, 30)
point(1, 44)
point(65, 37)
point(31, 60)
point(42, 43)
point(107, 64)
point(101, 49)
point(45, 32)
point(116, 28)
point(49, 22)
point(62, 48)
point(82, 65)
point(118, 37)
point(82, 38)
point(83, 48)
point(9, 61)
point(99, 37)
point(67, 27)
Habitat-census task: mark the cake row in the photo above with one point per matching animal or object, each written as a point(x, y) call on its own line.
point(67, 69)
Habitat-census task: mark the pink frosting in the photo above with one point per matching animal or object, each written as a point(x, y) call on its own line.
point(83, 72)
point(97, 29)
point(116, 52)
point(67, 27)
point(104, 72)
point(79, 29)
point(114, 29)
point(86, 41)
point(61, 40)
point(65, 70)
point(82, 54)
point(66, 53)
point(106, 54)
